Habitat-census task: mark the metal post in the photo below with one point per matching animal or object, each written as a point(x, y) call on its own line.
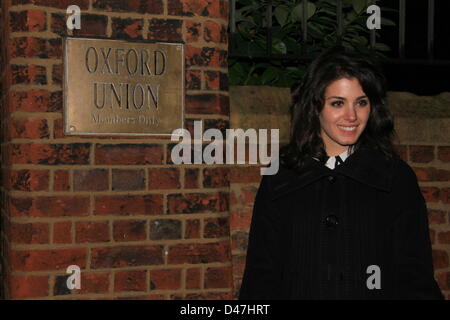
point(401, 35)
point(339, 20)
point(269, 28)
point(430, 35)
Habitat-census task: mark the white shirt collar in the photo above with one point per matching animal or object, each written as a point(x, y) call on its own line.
point(331, 163)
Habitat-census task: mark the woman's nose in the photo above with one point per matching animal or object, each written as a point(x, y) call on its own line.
point(350, 113)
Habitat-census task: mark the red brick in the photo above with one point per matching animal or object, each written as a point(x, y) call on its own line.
point(29, 129)
point(239, 240)
point(129, 154)
point(165, 30)
point(128, 179)
point(153, 7)
point(53, 206)
point(129, 230)
point(29, 233)
point(57, 74)
point(23, 287)
point(220, 277)
point(245, 175)
point(444, 154)
point(432, 236)
point(90, 180)
point(431, 174)
point(249, 194)
point(215, 177)
point(126, 256)
point(214, 32)
point(31, 20)
point(216, 80)
point(192, 230)
point(440, 259)
point(193, 278)
point(31, 74)
point(28, 180)
point(62, 232)
point(129, 205)
point(191, 178)
point(444, 237)
point(127, 28)
point(192, 30)
point(238, 265)
point(445, 195)
point(431, 194)
point(165, 178)
point(165, 229)
point(39, 153)
point(220, 124)
point(94, 283)
point(61, 180)
point(199, 253)
point(213, 9)
point(92, 25)
point(436, 216)
point(36, 101)
point(443, 280)
point(240, 218)
point(402, 152)
point(29, 47)
point(165, 279)
point(197, 203)
point(40, 260)
point(193, 80)
point(92, 232)
point(58, 24)
point(60, 4)
point(130, 280)
point(216, 228)
point(422, 154)
point(207, 104)
point(205, 57)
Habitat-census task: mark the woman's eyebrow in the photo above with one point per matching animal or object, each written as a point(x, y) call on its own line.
point(342, 98)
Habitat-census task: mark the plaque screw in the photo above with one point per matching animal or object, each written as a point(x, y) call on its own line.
point(72, 128)
point(178, 48)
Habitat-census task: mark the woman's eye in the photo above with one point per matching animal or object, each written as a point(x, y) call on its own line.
point(336, 103)
point(363, 102)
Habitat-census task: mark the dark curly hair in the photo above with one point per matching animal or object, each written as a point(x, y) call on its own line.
point(308, 101)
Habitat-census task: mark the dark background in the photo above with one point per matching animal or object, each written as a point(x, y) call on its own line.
point(419, 77)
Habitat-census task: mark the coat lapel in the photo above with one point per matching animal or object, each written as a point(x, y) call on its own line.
point(364, 165)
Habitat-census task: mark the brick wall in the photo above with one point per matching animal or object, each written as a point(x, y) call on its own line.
point(137, 225)
point(423, 127)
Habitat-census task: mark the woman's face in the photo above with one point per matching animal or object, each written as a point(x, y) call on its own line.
point(344, 115)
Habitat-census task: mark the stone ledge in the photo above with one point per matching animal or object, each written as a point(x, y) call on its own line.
point(417, 118)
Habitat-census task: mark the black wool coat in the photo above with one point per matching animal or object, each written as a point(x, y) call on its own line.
point(322, 233)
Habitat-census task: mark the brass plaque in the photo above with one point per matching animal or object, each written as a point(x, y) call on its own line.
point(116, 87)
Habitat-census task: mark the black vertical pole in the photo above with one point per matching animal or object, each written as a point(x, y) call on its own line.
point(401, 35)
point(339, 21)
point(304, 25)
point(430, 34)
point(269, 28)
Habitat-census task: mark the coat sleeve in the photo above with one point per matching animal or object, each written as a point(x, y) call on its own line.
point(413, 256)
point(261, 279)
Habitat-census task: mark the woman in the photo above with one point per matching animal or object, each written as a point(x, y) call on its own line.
point(344, 217)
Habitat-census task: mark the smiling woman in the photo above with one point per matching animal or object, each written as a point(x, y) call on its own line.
point(344, 217)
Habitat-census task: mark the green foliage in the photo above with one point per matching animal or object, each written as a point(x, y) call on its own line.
point(287, 20)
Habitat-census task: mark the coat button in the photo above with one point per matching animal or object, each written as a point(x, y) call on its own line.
point(331, 221)
point(331, 179)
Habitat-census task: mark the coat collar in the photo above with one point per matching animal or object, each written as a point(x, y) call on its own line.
point(365, 165)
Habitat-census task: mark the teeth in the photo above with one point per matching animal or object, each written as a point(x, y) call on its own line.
point(347, 128)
